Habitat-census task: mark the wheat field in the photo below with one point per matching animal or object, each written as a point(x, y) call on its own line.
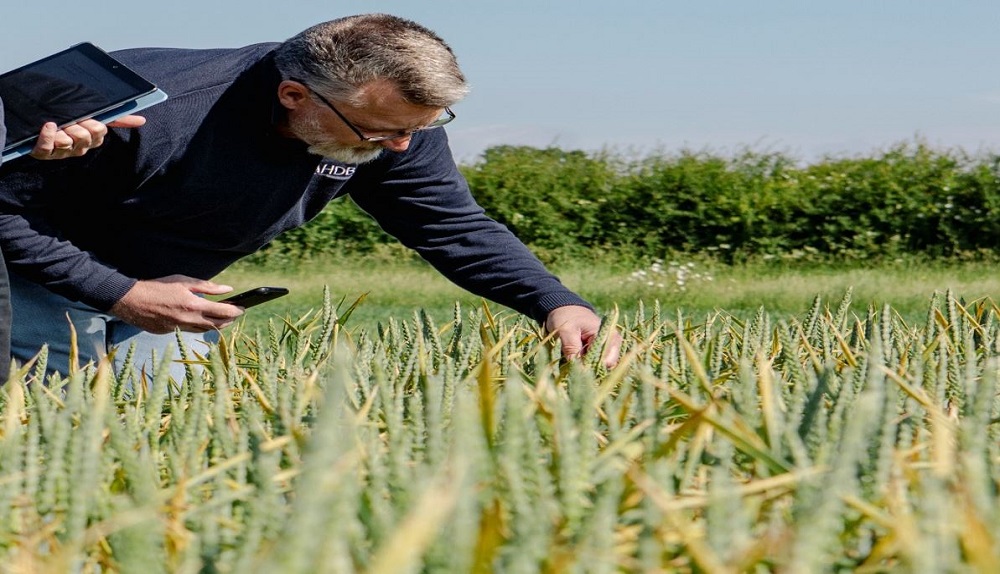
point(842, 439)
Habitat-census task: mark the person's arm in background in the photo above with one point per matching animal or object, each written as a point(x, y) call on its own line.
point(77, 139)
point(3, 130)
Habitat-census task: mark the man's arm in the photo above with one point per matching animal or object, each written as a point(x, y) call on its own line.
point(420, 198)
point(423, 201)
point(31, 236)
point(36, 251)
point(34, 248)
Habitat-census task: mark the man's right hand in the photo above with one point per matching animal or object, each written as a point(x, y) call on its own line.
point(162, 305)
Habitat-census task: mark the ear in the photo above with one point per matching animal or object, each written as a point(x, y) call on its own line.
point(292, 94)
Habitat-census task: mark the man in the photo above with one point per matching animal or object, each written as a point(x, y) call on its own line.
point(52, 143)
point(252, 142)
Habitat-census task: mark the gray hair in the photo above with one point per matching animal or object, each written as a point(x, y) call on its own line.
point(340, 56)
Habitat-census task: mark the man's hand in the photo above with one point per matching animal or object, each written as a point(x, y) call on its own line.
point(161, 305)
point(577, 329)
point(77, 139)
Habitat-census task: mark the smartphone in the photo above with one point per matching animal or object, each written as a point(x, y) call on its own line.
point(80, 82)
point(255, 296)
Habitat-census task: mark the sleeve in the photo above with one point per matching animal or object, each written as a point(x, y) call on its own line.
point(35, 250)
point(423, 200)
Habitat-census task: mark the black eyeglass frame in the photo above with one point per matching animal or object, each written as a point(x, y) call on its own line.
point(374, 139)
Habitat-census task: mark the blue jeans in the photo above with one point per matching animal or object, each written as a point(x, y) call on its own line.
point(40, 317)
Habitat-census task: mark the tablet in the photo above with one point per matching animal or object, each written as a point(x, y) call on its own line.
point(75, 84)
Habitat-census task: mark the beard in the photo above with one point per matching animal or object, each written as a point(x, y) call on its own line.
point(344, 154)
point(312, 133)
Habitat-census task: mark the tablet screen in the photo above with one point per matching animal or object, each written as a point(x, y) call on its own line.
point(66, 87)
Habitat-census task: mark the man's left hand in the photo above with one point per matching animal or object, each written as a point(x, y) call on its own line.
point(577, 329)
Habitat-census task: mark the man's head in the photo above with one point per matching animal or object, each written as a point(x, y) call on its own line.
point(365, 77)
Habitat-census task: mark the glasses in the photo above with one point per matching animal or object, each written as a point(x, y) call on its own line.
point(450, 115)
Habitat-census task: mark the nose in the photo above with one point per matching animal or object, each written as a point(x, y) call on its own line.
point(397, 144)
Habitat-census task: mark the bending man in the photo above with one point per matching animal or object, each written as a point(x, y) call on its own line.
point(252, 142)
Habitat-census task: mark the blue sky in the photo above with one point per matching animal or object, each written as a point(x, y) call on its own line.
point(801, 77)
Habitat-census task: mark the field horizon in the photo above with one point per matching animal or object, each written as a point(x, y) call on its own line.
point(692, 287)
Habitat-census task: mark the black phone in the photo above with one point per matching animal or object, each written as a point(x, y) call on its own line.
point(255, 296)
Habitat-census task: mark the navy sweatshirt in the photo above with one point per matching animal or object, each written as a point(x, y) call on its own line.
point(207, 181)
